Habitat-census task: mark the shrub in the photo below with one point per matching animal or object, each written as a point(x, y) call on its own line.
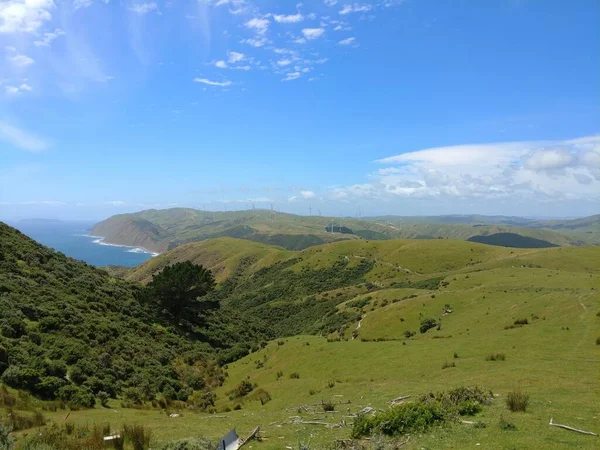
point(19, 377)
point(294, 375)
point(6, 398)
point(598, 340)
point(327, 406)
point(408, 334)
point(517, 401)
point(330, 384)
point(279, 374)
point(469, 408)
point(138, 436)
point(103, 397)
point(242, 389)
point(427, 324)
point(402, 419)
point(312, 392)
point(18, 422)
point(6, 441)
point(237, 407)
point(455, 355)
point(76, 397)
point(495, 357)
point(521, 322)
point(447, 365)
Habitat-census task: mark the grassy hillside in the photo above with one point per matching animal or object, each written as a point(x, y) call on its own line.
point(69, 331)
point(364, 304)
point(162, 230)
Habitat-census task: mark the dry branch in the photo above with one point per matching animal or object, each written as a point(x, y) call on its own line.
point(566, 427)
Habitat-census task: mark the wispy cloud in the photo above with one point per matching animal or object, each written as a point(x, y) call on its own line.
point(292, 76)
point(16, 90)
point(308, 194)
point(347, 41)
point(292, 18)
point(212, 83)
point(48, 37)
point(21, 61)
point(354, 8)
point(313, 33)
point(143, 8)
point(260, 25)
point(21, 138)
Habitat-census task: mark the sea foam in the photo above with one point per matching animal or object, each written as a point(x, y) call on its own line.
point(100, 241)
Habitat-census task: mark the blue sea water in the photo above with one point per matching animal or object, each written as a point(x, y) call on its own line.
point(74, 240)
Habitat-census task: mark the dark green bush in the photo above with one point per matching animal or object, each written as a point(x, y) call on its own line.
point(427, 324)
point(495, 357)
point(408, 334)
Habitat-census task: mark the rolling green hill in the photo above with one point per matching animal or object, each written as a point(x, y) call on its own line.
point(344, 322)
point(163, 230)
point(475, 293)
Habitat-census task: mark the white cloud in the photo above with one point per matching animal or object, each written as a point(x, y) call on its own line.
point(116, 203)
point(48, 38)
point(25, 16)
point(292, 18)
point(21, 138)
point(356, 7)
point(44, 202)
point(313, 33)
point(284, 62)
point(259, 25)
point(292, 76)
point(234, 57)
point(255, 42)
point(15, 90)
point(212, 83)
point(549, 160)
point(21, 61)
point(347, 41)
point(308, 194)
point(532, 171)
point(330, 2)
point(221, 64)
point(143, 8)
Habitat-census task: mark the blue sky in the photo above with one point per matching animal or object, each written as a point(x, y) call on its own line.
point(383, 107)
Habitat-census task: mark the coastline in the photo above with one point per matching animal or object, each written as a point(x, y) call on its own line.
point(133, 248)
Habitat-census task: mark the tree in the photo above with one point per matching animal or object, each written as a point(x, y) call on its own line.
point(180, 287)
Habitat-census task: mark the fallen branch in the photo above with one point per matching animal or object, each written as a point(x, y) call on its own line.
point(399, 399)
point(566, 427)
point(252, 435)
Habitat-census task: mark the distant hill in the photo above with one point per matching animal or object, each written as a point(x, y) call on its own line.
point(163, 230)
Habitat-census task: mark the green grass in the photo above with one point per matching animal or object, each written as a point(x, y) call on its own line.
point(554, 359)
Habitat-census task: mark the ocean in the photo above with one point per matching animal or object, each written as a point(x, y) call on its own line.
point(74, 240)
